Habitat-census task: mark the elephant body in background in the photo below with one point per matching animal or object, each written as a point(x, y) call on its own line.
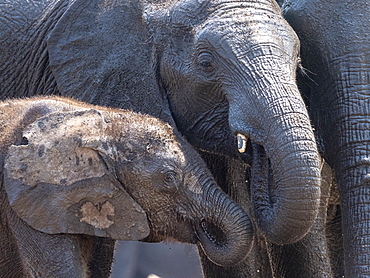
point(335, 39)
point(71, 171)
point(216, 70)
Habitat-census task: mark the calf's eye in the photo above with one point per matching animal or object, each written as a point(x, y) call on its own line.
point(170, 178)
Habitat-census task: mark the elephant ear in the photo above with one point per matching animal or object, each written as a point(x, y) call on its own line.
point(100, 52)
point(57, 180)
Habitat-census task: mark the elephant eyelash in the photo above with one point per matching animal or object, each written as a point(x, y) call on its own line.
point(171, 178)
point(206, 61)
point(306, 72)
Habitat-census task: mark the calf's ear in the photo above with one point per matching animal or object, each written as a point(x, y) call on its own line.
point(58, 182)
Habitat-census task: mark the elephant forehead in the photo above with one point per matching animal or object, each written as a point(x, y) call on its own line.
point(40, 163)
point(245, 28)
point(171, 153)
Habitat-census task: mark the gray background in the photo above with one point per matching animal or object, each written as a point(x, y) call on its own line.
point(166, 260)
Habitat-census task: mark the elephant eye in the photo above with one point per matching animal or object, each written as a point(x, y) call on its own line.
point(170, 178)
point(206, 61)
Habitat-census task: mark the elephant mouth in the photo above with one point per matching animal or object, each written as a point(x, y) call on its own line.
point(225, 240)
point(217, 237)
point(224, 243)
point(259, 172)
point(254, 155)
point(275, 192)
point(190, 232)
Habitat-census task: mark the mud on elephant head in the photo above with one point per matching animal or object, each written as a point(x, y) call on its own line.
point(79, 169)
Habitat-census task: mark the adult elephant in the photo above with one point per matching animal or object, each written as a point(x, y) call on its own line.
point(335, 39)
point(227, 70)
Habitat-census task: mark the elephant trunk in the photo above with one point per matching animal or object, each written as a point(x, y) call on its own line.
point(266, 107)
point(346, 136)
point(285, 181)
point(225, 233)
point(354, 184)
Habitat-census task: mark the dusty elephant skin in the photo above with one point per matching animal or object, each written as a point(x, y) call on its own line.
point(240, 81)
point(72, 171)
point(335, 39)
point(215, 69)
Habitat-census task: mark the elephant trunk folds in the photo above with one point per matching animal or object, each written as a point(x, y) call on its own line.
point(286, 170)
point(225, 234)
point(285, 176)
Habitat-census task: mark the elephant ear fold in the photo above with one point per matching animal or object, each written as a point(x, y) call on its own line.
point(101, 52)
point(57, 183)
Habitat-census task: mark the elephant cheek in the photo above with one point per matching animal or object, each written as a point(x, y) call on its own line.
point(170, 225)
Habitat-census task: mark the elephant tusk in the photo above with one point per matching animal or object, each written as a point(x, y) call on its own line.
point(242, 142)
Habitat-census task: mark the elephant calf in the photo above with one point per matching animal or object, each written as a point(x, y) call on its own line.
point(71, 172)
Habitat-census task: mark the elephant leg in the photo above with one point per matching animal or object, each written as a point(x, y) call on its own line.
point(307, 258)
point(44, 255)
point(10, 260)
point(36, 254)
point(257, 264)
point(334, 234)
point(98, 253)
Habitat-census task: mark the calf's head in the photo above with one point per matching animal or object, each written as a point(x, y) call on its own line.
point(122, 175)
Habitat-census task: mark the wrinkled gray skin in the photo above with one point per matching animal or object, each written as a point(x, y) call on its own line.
point(170, 192)
point(224, 67)
point(335, 39)
point(239, 78)
point(309, 256)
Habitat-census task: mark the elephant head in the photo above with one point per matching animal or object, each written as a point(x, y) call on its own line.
point(82, 169)
point(227, 70)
